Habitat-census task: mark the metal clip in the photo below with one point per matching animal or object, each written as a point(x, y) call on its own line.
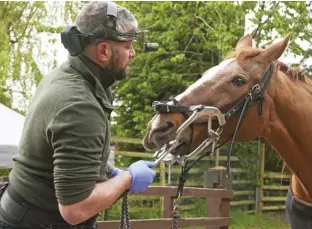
point(164, 154)
point(206, 111)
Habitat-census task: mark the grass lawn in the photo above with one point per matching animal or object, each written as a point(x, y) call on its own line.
point(241, 220)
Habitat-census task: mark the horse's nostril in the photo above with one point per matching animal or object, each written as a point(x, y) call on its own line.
point(162, 134)
point(170, 125)
point(165, 128)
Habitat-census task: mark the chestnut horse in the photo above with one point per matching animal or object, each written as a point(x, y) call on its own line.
point(284, 121)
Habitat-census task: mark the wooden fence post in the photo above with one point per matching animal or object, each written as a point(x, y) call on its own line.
point(217, 157)
point(225, 209)
point(167, 206)
point(259, 192)
point(162, 177)
point(213, 211)
point(162, 174)
point(215, 178)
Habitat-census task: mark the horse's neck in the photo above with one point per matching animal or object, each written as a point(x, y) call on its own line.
point(290, 133)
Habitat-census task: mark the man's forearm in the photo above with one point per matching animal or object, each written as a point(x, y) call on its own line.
point(103, 196)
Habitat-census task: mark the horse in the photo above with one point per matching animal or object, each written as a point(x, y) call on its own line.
point(280, 112)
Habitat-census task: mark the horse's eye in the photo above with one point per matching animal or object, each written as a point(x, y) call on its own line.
point(239, 81)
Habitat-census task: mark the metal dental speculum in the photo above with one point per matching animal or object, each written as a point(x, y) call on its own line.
point(165, 153)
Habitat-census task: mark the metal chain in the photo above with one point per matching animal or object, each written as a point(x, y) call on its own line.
point(124, 219)
point(127, 221)
point(182, 179)
point(175, 214)
point(175, 210)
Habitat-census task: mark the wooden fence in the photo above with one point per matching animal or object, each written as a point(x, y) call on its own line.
point(271, 183)
point(217, 209)
point(269, 195)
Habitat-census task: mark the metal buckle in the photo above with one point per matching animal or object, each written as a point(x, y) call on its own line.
point(255, 89)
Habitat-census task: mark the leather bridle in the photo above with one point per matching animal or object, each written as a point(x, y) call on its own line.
point(254, 95)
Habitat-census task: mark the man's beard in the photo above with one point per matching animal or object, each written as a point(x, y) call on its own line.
point(118, 73)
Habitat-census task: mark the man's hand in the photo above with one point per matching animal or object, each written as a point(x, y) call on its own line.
point(142, 175)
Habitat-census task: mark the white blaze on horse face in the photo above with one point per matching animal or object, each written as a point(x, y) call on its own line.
point(211, 73)
point(207, 76)
point(155, 122)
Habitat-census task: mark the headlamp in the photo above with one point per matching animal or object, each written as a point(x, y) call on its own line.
point(75, 41)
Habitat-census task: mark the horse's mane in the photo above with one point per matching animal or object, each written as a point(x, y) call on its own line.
point(294, 73)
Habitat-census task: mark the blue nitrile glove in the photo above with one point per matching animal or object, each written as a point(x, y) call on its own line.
point(115, 172)
point(142, 175)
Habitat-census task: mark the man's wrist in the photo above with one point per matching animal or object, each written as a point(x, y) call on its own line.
point(115, 172)
point(126, 174)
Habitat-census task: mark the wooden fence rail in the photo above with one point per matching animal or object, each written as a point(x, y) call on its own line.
point(217, 209)
point(253, 200)
point(269, 195)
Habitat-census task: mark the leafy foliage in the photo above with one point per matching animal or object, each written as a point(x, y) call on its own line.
point(23, 53)
point(193, 36)
point(272, 20)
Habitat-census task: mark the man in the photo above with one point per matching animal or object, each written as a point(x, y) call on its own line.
point(61, 176)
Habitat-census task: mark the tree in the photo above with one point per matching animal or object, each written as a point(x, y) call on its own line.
point(193, 36)
point(23, 53)
point(272, 20)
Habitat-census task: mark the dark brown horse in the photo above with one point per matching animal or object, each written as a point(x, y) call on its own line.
point(286, 110)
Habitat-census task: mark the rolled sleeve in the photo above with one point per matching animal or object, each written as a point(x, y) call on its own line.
point(77, 135)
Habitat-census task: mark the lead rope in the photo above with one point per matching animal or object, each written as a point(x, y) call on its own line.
point(124, 219)
point(182, 178)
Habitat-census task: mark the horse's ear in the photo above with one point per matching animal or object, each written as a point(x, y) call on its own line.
point(274, 51)
point(244, 43)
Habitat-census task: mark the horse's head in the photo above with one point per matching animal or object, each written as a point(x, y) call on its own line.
point(222, 87)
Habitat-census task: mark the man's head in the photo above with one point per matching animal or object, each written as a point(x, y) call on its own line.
point(116, 53)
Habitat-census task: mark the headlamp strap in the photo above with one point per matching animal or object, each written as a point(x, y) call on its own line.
point(87, 39)
point(111, 12)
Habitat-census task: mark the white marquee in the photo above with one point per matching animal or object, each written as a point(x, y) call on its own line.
point(11, 127)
